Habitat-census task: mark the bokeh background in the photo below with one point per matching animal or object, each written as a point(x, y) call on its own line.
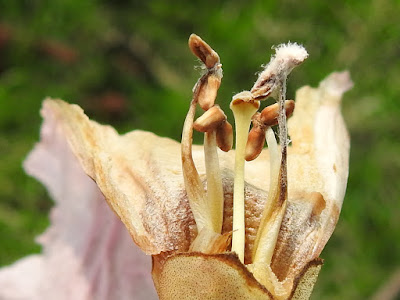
point(127, 63)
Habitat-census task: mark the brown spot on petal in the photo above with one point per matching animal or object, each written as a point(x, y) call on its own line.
point(298, 235)
point(318, 203)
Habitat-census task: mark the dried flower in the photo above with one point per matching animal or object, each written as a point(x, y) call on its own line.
point(183, 204)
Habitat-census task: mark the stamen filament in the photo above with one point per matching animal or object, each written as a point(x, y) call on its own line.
point(193, 185)
point(275, 208)
point(267, 234)
point(215, 195)
point(242, 111)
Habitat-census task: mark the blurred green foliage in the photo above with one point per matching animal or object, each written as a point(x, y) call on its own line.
point(127, 63)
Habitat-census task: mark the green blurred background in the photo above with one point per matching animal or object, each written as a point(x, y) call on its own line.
point(127, 63)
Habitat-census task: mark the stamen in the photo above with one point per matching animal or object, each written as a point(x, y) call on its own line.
point(203, 51)
point(209, 88)
point(209, 84)
point(256, 138)
point(225, 136)
point(207, 211)
point(286, 58)
point(243, 108)
point(261, 121)
point(269, 115)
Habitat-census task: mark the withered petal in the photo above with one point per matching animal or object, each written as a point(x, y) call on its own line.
point(87, 252)
point(138, 173)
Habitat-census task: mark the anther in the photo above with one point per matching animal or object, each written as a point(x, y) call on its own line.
point(203, 51)
point(269, 81)
point(263, 88)
point(208, 89)
point(261, 121)
point(255, 143)
point(210, 120)
point(207, 209)
point(225, 136)
point(269, 115)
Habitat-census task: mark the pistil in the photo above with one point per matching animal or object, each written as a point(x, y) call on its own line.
point(243, 107)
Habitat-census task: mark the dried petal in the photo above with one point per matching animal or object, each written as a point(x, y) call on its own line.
point(129, 180)
point(87, 251)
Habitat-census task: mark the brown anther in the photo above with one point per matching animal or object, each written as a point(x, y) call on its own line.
point(255, 139)
point(318, 203)
point(210, 120)
point(269, 115)
point(255, 143)
point(208, 90)
point(225, 136)
point(263, 87)
point(203, 51)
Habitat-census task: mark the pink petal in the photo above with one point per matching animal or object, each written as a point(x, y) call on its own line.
point(87, 251)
